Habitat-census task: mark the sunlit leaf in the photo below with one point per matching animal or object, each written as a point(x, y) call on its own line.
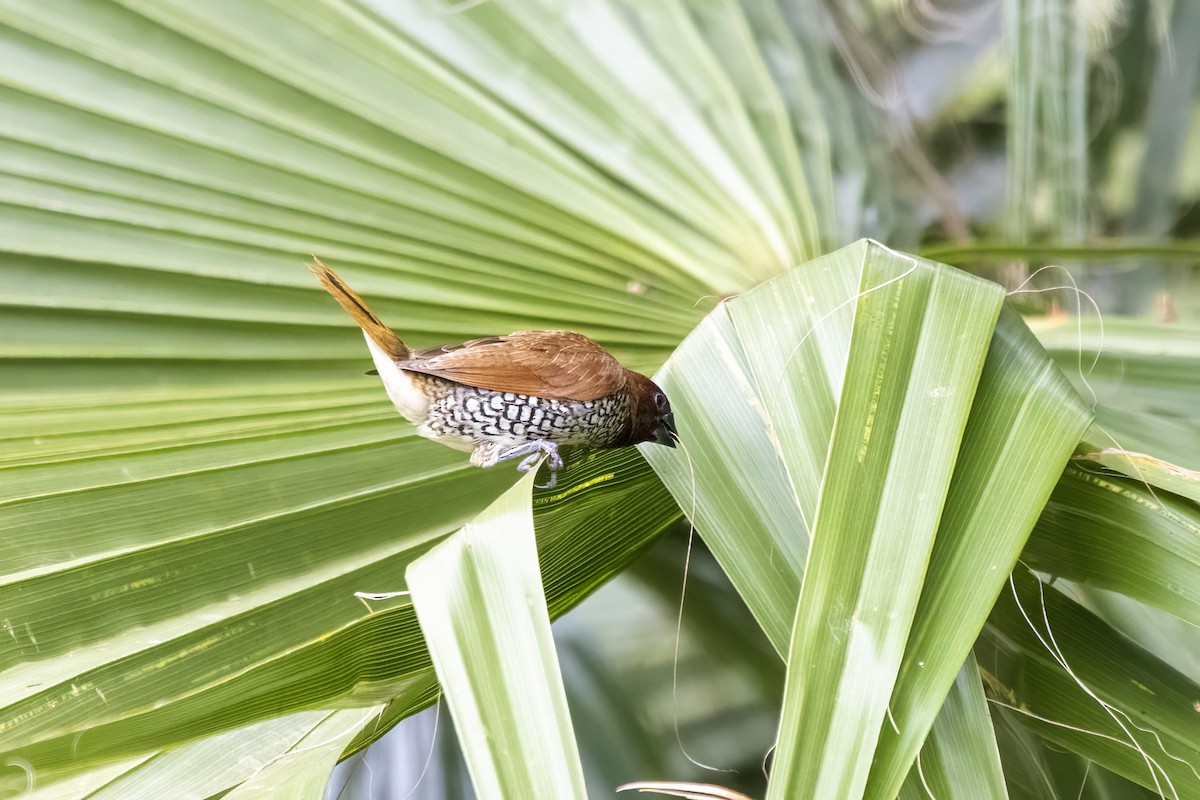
point(764, 425)
point(481, 605)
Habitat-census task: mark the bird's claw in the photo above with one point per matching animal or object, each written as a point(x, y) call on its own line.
point(553, 461)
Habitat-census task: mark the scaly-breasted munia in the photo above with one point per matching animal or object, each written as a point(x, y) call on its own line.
point(512, 396)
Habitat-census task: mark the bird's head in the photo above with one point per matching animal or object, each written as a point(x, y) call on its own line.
point(650, 418)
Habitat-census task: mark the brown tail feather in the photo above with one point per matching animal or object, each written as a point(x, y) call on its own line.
point(348, 299)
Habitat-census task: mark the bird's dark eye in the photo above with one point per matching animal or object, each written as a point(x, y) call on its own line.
point(660, 401)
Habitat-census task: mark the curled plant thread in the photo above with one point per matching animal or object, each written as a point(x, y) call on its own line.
point(1052, 648)
point(687, 560)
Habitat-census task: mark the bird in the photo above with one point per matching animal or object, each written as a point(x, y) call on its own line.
point(522, 395)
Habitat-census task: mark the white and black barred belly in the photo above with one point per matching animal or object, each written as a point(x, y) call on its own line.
point(464, 416)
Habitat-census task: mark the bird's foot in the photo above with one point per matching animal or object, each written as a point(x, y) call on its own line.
point(553, 459)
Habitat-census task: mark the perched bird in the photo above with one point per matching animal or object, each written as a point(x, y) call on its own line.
point(513, 396)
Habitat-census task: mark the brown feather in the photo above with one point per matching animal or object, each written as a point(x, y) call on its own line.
point(348, 299)
point(559, 365)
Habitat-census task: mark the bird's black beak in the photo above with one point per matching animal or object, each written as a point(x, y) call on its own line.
point(664, 432)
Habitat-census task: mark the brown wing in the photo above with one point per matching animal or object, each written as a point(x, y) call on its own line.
point(554, 364)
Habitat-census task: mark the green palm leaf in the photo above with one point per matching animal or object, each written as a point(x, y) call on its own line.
point(196, 477)
point(959, 757)
point(481, 605)
point(785, 384)
point(194, 464)
point(1080, 684)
